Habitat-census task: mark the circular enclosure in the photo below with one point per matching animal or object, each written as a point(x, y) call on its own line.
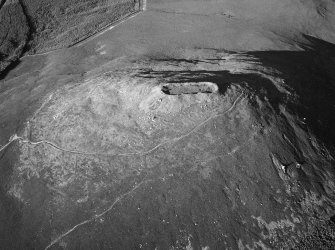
point(189, 88)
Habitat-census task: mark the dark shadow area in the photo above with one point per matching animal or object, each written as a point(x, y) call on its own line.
point(2, 3)
point(317, 45)
point(223, 79)
point(311, 76)
point(9, 68)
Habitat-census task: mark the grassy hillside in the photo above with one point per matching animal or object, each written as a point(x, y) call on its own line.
point(30, 26)
point(58, 24)
point(201, 124)
point(13, 32)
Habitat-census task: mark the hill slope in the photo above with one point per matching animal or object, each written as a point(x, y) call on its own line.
point(195, 125)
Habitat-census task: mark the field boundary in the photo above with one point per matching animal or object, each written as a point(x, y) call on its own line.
point(141, 6)
point(106, 28)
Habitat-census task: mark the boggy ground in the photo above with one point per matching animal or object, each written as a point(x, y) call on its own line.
point(99, 157)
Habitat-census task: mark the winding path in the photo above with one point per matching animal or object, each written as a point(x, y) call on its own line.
point(97, 216)
point(137, 186)
point(171, 141)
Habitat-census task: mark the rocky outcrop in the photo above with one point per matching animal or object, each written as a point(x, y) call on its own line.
point(189, 88)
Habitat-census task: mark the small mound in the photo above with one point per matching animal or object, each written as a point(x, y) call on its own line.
point(189, 88)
